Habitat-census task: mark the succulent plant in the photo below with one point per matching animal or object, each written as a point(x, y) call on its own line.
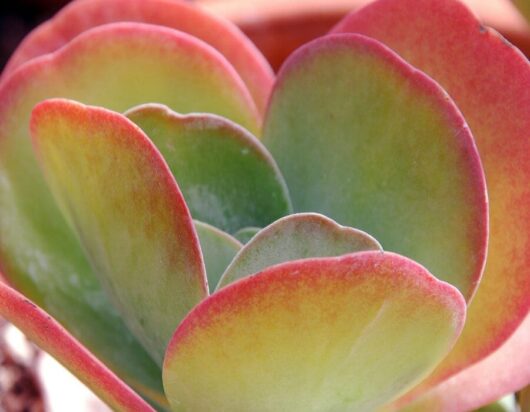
point(349, 235)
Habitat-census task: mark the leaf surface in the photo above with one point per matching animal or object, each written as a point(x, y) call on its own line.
point(115, 66)
point(347, 333)
point(122, 202)
point(490, 81)
point(227, 177)
point(365, 139)
point(294, 237)
point(82, 15)
point(50, 336)
point(486, 381)
point(218, 249)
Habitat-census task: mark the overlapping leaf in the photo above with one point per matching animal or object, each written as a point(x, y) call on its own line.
point(505, 370)
point(120, 198)
point(53, 338)
point(218, 249)
point(294, 237)
point(362, 137)
point(82, 15)
point(348, 333)
point(490, 81)
point(227, 177)
point(115, 66)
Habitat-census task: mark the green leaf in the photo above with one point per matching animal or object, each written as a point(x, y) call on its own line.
point(299, 236)
point(50, 336)
point(328, 334)
point(489, 80)
point(118, 195)
point(364, 138)
point(218, 249)
point(116, 66)
point(80, 16)
point(226, 175)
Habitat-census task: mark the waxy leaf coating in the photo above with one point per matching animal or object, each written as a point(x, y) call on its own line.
point(294, 237)
point(82, 15)
point(503, 371)
point(227, 177)
point(50, 336)
point(489, 80)
point(115, 66)
point(345, 334)
point(364, 138)
point(218, 249)
point(120, 198)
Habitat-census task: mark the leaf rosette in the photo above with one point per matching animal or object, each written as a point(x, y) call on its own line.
point(210, 236)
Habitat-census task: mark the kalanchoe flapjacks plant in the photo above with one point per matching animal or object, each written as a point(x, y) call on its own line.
point(121, 208)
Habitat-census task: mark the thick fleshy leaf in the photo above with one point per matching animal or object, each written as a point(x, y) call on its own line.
point(490, 81)
point(218, 249)
point(365, 139)
point(47, 333)
point(278, 27)
point(294, 237)
point(227, 177)
point(38, 252)
point(347, 333)
point(121, 200)
point(504, 371)
point(82, 15)
point(245, 234)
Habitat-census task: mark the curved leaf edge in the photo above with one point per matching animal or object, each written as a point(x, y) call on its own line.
point(50, 336)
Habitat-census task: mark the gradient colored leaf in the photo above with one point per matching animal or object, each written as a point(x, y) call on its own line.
point(245, 234)
point(299, 236)
point(490, 81)
point(348, 333)
point(50, 336)
point(38, 252)
point(82, 15)
point(227, 177)
point(504, 371)
point(364, 138)
point(218, 249)
point(278, 27)
point(121, 200)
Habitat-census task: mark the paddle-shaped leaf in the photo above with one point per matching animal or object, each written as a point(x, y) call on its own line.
point(38, 326)
point(347, 333)
point(294, 237)
point(490, 81)
point(82, 15)
point(362, 137)
point(118, 195)
point(227, 177)
point(218, 249)
point(38, 252)
point(505, 370)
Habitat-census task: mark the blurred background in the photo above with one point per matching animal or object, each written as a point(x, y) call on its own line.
point(17, 18)
point(276, 26)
